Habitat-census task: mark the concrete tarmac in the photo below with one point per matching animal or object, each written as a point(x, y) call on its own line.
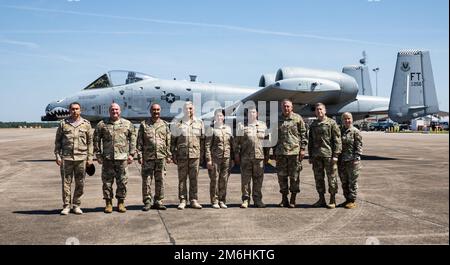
point(403, 199)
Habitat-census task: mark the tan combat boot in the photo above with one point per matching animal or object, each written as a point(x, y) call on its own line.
point(332, 203)
point(215, 205)
point(147, 206)
point(321, 202)
point(195, 204)
point(292, 200)
point(223, 205)
point(244, 204)
point(158, 205)
point(350, 205)
point(77, 210)
point(121, 206)
point(284, 201)
point(181, 205)
point(108, 208)
point(65, 210)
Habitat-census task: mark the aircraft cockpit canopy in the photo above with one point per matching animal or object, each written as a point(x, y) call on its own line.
point(117, 78)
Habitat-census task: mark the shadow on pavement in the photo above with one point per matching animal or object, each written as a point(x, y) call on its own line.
point(139, 208)
point(373, 158)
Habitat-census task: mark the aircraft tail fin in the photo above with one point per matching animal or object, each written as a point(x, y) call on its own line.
point(361, 75)
point(413, 92)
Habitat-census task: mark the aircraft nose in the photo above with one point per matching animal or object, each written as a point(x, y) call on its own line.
point(48, 108)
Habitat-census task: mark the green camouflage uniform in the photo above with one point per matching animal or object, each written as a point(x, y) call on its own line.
point(218, 150)
point(291, 140)
point(349, 161)
point(153, 145)
point(187, 142)
point(249, 146)
point(73, 145)
point(324, 144)
point(113, 143)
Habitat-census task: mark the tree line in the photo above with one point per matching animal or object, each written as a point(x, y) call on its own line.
point(24, 124)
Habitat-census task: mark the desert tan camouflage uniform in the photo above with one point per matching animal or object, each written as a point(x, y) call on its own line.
point(249, 146)
point(218, 150)
point(73, 145)
point(187, 142)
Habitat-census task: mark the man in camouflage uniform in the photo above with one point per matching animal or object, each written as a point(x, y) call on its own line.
point(349, 160)
point(187, 142)
point(289, 152)
point(249, 152)
point(324, 148)
point(153, 145)
point(114, 146)
point(73, 151)
point(218, 150)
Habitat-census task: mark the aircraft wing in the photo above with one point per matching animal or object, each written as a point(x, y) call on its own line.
point(229, 112)
point(300, 91)
point(304, 90)
point(379, 111)
point(268, 93)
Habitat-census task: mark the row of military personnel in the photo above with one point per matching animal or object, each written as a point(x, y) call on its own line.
point(331, 150)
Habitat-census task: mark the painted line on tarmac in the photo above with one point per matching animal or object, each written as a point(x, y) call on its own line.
point(406, 214)
point(270, 241)
point(171, 239)
point(4, 166)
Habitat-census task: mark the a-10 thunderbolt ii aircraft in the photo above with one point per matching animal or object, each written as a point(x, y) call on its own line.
point(413, 93)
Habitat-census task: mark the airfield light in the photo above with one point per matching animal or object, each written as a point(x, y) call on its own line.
point(376, 79)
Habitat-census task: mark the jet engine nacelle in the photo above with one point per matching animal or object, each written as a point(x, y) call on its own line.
point(315, 86)
point(310, 90)
point(266, 79)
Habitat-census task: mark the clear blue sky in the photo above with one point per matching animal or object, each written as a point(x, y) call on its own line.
point(52, 48)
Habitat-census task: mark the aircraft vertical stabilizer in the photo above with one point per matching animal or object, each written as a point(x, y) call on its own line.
point(413, 93)
point(361, 75)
